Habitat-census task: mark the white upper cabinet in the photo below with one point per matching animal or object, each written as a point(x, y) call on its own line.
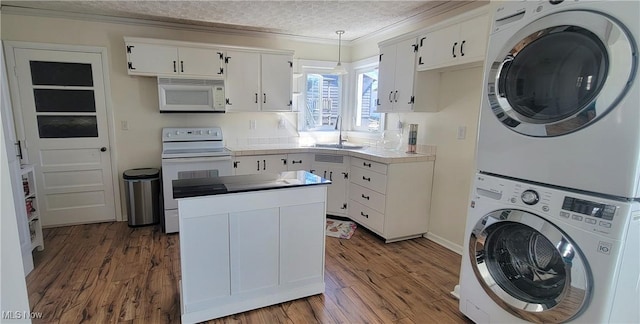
point(158, 59)
point(396, 76)
point(459, 43)
point(242, 86)
point(200, 61)
point(258, 81)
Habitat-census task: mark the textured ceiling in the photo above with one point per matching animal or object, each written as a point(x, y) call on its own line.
point(313, 19)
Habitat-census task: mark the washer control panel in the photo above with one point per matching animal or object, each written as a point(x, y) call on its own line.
point(592, 213)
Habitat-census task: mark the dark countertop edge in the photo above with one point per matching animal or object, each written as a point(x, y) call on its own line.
point(189, 188)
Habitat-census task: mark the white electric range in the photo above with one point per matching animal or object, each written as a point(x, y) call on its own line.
point(189, 153)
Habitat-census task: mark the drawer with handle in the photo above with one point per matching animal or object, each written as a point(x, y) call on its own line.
point(367, 197)
point(369, 165)
point(369, 179)
point(366, 216)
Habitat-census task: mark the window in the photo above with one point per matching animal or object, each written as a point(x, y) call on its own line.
point(322, 101)
point(366, 115)
point(326, 96)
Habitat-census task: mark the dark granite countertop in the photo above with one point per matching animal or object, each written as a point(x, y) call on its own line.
point(186, 188)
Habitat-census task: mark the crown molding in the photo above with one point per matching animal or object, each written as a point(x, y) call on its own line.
point(388, 31)
point(12, 10)
point(394, 30)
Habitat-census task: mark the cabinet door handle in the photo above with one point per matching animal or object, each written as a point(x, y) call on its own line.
point(453, 49)
point(258, 169)
point(264, 95)
point(364, 215)
point(366, 179)
point(313, 171)
point(462, 48)
point(325, 175)
point(256, 97)
point(366, 164)
point(390, 94)
point(295, 162)
point(181, 66)
point(365, 197)
point(284, 161)
point(174, 66)
point(331, 176)
point(19, 155)
point(103, 149)
point(264, 164)
point(395, 96)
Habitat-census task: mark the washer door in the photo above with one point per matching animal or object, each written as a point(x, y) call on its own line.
point(561, 72)
point(529, 267)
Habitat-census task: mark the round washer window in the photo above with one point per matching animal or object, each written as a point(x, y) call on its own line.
point(529, 267)
point(525, 264)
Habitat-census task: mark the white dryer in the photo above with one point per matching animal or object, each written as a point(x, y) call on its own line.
point(561, 99)
point(540, 254)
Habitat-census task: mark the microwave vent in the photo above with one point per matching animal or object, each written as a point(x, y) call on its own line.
point(180, 81)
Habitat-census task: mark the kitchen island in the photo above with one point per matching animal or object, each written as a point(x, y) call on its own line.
point(249, 241)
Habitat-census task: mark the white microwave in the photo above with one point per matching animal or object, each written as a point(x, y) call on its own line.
point(191, 95)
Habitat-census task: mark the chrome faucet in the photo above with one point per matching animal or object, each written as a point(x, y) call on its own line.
point(339, 129)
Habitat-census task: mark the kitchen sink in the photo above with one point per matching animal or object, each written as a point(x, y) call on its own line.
point(344, 146)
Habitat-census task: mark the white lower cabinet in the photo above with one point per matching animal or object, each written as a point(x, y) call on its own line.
point(248, 255)
point(391, 200)
point(259, 248)
point(254, 164)
point(334, 168)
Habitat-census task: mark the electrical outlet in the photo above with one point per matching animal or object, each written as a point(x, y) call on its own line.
point(282, 123)
point(462, 132)
point(124, 125)
point(252, 124)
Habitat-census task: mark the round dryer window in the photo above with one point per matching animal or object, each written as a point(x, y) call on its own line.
point(529, 267)
point(561, 72)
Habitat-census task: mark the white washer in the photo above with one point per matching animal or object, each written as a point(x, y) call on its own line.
point(541, 254)
point(561, 95)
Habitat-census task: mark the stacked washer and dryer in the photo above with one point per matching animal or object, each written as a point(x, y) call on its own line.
point(553, 226)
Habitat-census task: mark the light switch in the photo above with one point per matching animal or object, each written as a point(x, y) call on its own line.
point(252, 124)
point(462, 132)
point(124, 125)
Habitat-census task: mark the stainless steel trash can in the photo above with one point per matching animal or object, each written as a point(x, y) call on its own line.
point(142, 188)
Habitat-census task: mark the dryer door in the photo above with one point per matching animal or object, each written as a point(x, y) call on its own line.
point(529, 267)
point(561, 72)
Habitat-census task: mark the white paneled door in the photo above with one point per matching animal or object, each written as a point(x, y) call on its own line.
point(63, 107)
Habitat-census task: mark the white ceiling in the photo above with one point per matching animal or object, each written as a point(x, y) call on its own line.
point(310, 19)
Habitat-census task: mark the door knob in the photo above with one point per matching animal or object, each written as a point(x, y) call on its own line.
point(103, 149)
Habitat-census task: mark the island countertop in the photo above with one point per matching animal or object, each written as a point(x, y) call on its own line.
point(187, 188)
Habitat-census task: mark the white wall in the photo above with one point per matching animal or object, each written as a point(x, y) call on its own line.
point(459, 102)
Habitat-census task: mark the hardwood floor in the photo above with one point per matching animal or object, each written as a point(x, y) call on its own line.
point(110, 273)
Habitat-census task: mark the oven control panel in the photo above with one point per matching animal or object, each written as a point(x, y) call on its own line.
point(171, 134)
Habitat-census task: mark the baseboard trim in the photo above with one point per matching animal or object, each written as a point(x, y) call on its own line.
point(444, 242)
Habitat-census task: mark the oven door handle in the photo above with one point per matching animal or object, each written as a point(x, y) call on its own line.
point(197, 159)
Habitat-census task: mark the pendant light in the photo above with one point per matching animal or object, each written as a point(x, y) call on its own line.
point(339, 69)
